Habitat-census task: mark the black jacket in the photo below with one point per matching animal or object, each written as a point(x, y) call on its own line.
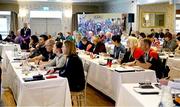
point(73, 70)
point(25, 32)
point(84, 47)
point(100, 47)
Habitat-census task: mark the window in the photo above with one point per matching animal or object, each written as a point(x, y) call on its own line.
point(4, 23)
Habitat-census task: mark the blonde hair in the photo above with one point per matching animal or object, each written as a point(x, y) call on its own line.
point(133, 41)
point(50, 42)
point(95, 39)
point(70, 46)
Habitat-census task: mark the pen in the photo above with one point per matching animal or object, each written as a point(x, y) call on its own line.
point(167, 78)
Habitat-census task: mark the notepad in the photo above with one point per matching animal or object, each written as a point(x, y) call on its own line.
point(146, 91)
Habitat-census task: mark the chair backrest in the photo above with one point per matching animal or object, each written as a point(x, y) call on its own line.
point(86, 69)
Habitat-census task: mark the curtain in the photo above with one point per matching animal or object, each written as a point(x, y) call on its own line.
point(74, 22)
point(14, 22)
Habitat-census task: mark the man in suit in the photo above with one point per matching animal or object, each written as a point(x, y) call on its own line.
point(25, 36)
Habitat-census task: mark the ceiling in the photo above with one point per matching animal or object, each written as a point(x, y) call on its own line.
point(74, 1)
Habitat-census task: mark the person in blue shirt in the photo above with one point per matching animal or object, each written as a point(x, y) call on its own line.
point(118, 48)
point(78, 41)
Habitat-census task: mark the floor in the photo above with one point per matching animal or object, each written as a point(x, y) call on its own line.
point(94, 98)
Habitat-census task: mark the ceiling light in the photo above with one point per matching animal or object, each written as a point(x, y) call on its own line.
point(31, 0)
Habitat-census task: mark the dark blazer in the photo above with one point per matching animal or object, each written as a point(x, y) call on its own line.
point(25, 34)
point(137, 55)
point(161, 35)
point(74, 72)
point(156, 63)
point(100, 47)
point(0, 37)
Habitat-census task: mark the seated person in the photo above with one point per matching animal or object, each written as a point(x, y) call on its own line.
point(98, 46)
point(47, 54)
point(0, 37)
point(102, 37)
point(118, 48)
point(152, 60)
point(86, 45)
point(90, 35)
point(178, 34)
point(69, 36)
point(73, 68)
point(108, 37)
point(169, 43)
point(60, 37)
point(161, 34)
point(133, 53)
point(151, 37)
point(33, 42)
point(154, 34)
point(156, 44)
point(40, 47)
point(49, 36)
point(11, 37)
point(166, 31)
point(59, 60)
point(171, 84)
point(78, 41)
point(142, 35)
point(177, 50)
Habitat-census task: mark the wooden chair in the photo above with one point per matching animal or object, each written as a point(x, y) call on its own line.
point(79, 98)
point(86, 72)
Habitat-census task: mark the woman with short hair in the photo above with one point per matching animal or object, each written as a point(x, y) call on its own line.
point(169, 43)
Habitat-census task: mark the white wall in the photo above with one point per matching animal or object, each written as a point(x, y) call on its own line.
point(141, 2)
point(56, 6)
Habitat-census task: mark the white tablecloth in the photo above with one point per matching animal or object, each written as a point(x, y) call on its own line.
point(3, 48)
point(49, 92)
point(174, 62)
point(7, 46)
point(106, 80)
point(129, 98)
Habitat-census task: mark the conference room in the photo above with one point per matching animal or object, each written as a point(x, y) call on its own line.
point(81, 53)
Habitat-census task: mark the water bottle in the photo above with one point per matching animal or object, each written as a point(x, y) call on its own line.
point(25, 67)
point(15, 50)
point(166, 97)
